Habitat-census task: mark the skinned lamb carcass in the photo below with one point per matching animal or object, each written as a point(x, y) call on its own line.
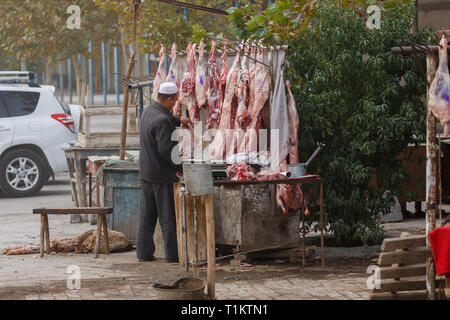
point(160, 73)
point(214, 101)
point(439, 94)
point(261, 97)
point(201, 81)
point(293, 126)
point(222, 142)
point(187, 93)
point(173, 76)
point(290, 197)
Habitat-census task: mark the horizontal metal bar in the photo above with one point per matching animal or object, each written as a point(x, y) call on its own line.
point(141, 85)
point(412, 50)
point(195, 7)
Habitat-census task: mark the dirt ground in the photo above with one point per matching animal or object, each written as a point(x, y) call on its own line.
point(158, 271)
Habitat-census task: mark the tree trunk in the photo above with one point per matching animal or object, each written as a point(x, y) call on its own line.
point(431, 181)
point(48, 73)
point(125, 49)
point(23, 64)
point(265, 3)
point(78, 77)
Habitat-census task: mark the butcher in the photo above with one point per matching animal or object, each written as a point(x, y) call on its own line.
point(158, 173)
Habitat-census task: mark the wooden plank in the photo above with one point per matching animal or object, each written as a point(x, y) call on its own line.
point(307, 179)
point(403, 257)
point(41, 249)
point(406, 243)
point(86, 210)
point(402, 285)
point(403, 272)
point(414, 295)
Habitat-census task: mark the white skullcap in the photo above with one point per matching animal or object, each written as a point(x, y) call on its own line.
point(168, 88)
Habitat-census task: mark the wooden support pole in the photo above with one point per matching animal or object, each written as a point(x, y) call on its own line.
point(47, 235)
point(99, 234)
point(41, 249)
point(431, 180)
point(210, 234)
point(105, 232)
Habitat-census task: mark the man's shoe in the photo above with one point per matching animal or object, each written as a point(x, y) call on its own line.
point(147, 259)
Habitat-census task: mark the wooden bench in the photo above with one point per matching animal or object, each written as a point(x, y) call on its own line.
point(101, 222)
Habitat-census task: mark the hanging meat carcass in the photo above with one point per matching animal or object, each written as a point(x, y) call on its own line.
point(188, 84)
point(242, 116)
point(201, 82)
point(261, 92)
point(173, 76)
point(439, 100)
point(214, 101)
point(223, 140)
point(289, 197)
point(293, 126)
point(160, 73)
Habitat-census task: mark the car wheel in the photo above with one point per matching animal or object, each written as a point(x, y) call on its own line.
point(22, 173)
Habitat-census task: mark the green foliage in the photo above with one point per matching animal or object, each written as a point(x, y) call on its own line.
point(349, 93)
point(353, 95)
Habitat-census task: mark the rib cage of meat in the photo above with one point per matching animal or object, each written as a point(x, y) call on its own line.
point(214, 101)
point(439, 93)
point(201, 83)
point(160, 73)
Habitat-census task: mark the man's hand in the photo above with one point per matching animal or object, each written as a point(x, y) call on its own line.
point(186, 122)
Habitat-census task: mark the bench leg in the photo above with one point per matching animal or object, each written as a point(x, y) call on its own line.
point(42, 235)
point(105, 232)
point(47, 234)
point(99, 233)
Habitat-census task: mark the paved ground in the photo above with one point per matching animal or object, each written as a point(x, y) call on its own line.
point(120, 276)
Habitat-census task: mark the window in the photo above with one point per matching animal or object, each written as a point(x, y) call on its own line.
point(20, 103)
point(3, 111)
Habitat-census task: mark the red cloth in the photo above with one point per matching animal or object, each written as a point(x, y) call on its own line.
point(440, 243)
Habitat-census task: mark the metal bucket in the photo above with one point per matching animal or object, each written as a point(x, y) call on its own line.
point(298, 170)
point(198, 179)
point(182, 289)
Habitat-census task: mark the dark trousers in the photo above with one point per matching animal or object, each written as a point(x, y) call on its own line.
point(157, 201)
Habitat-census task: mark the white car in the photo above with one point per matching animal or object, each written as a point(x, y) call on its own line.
point(34, 127)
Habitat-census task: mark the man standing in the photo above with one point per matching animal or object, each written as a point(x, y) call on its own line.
point(158, 173)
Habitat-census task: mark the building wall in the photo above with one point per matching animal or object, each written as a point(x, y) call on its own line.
point(433, 13)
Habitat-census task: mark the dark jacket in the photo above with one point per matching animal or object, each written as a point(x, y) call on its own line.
point(155, 161)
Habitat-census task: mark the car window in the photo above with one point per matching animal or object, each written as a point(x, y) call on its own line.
point(3, 111)
point(65, 107)
point(20, 103)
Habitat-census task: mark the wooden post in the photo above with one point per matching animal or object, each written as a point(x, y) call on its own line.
point(431, 180)
point(322, 245)
point(41, 249)
point(47, 234)
point(123, 134)
point(99, 233)
point(209, 208)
